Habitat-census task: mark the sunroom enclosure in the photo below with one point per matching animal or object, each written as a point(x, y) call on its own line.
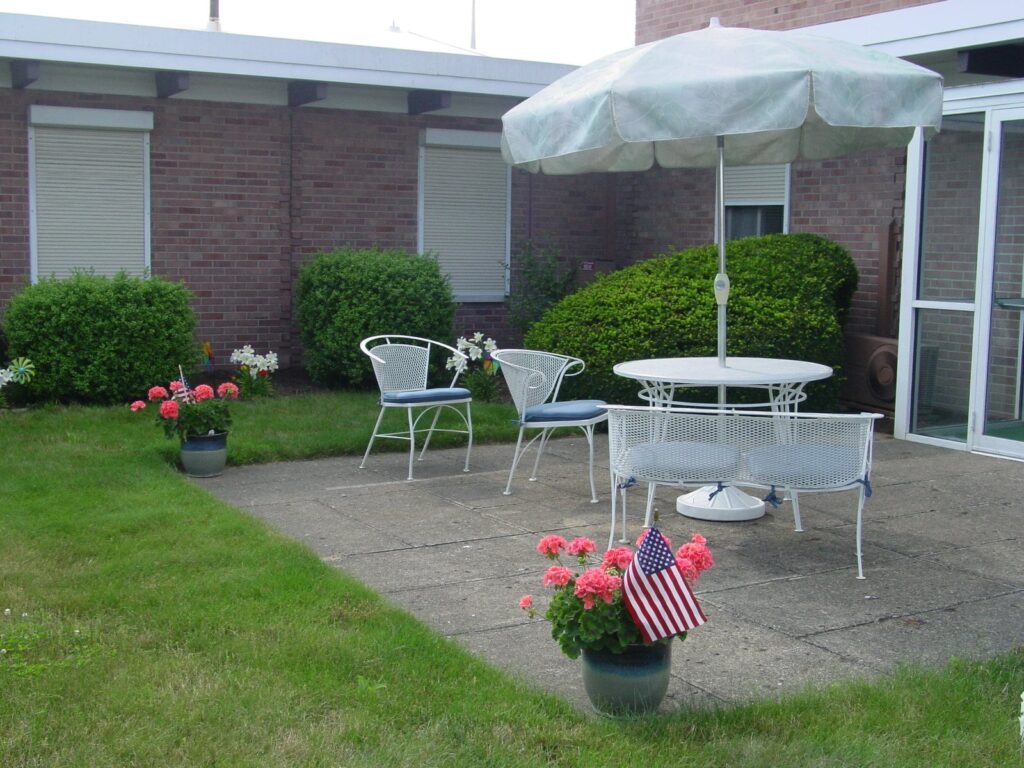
point(961, 382)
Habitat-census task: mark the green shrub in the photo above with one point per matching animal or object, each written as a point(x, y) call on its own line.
point(789, 296)
point(344, 296)
point(99, 339)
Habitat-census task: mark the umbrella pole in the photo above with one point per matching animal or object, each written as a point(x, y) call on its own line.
point(721, 279)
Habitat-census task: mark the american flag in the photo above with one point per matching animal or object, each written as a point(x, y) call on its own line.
point(658, 597)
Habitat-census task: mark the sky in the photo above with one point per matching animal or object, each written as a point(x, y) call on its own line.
point(566, 31)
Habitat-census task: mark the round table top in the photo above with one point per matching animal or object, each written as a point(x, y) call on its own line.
point(738, 371)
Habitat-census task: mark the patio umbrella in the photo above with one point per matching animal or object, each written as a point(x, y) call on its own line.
point(717, 95)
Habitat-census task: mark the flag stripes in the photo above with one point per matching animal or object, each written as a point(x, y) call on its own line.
point(656, 594)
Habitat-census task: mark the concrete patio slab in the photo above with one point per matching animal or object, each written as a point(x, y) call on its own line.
point(942, 544)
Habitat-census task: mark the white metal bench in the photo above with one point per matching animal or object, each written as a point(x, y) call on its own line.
point(794, 452)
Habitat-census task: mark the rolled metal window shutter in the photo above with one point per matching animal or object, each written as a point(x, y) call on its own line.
point(465, 217)
point(755, 185)
point(90, 201)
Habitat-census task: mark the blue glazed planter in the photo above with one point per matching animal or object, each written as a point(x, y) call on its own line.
point(204, 455)
point(629, 683)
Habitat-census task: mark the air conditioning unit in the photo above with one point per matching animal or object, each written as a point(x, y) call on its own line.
point(870, 372)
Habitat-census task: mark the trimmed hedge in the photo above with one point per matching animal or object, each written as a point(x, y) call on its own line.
point(99, 339)
point(346, 295)
point(789, 296)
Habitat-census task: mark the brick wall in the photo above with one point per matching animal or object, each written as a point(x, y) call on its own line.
point(219, 191)
point(14, 224)
point(242, 195)
point(656, 19)
point(852, 200)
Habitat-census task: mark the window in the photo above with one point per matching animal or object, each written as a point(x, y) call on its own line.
point(756, 200)
point(464, 211)
point(89, 191)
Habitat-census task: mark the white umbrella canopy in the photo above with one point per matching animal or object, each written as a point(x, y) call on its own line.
point(722, 95)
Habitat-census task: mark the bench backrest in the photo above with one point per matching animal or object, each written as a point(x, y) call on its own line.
point(801, 451)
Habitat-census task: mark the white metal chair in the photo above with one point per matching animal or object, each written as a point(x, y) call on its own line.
point(805, 452)
point(533, 379)
point(402, 365)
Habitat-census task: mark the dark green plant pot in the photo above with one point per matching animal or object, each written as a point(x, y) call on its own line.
point(204, 455)
point(629, 683)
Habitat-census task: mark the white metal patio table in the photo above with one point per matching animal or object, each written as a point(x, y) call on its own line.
point(782, 380)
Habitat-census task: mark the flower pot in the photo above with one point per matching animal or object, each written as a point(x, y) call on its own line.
point(204, 455)
point(630, 683)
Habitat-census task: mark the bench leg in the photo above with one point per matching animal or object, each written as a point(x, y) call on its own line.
point(589, 432)
point(860, 516)
point(798, 526)
point(652, 488)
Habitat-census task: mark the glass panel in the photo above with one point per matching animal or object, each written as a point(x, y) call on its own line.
point(950, 210)
point(1003, 406)
point(751, 220)
point(740, 221)
point(771, 219)
point(942, 377)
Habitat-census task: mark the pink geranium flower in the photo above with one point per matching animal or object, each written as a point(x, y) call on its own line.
point(580, 546)
point(688, 569)
point(557, 576)
point(618, 558)
point(552, 545)
point(203, 392)
point(698, 553)
point(169, 409)
point(176, 385)
point(138, 405)
point(526, 602)
point(595, 583)
point(227, 389)
point(157, 393)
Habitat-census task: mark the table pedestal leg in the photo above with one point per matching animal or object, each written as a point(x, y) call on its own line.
point(729, 504)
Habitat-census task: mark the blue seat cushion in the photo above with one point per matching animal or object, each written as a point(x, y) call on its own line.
point(426, 396)
point(570, 410)
point(805, 466)
point(684, 460)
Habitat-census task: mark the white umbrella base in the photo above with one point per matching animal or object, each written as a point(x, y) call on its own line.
point(729, 505)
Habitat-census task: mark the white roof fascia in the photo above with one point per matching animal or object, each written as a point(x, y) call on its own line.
point(942, 26)
point(158, 48)
point(974, 97)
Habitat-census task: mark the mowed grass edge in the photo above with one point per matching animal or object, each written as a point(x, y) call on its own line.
point(166, 628)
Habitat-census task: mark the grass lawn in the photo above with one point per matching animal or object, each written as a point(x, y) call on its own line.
point(165, 628)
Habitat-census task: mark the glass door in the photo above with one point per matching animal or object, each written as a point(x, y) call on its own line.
point(942, 305)
point(999, 427)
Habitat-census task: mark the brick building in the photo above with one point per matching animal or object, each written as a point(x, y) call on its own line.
point(225, 161)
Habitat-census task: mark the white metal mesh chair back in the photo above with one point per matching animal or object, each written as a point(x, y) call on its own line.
point(793, 451)
point(811, 451)
point(533, 377)
point(400, 367)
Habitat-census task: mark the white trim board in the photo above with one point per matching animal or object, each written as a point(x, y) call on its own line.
point(122, 45)
point(941, 26)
